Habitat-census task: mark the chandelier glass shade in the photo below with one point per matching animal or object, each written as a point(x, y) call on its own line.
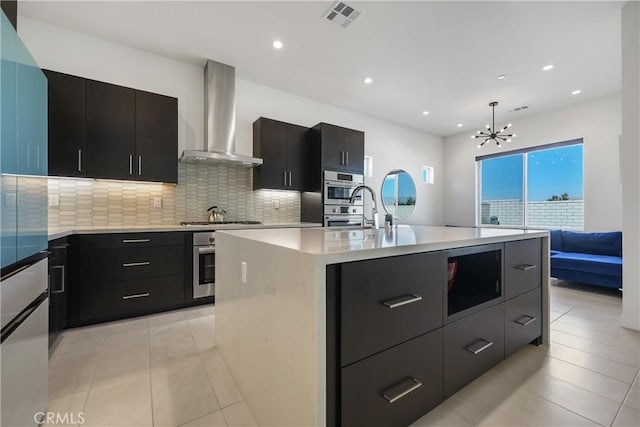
point(491, 133)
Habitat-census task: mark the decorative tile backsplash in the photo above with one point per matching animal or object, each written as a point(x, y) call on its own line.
point(88, 202)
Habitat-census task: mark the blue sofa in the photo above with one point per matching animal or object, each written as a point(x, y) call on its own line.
point(593, 258)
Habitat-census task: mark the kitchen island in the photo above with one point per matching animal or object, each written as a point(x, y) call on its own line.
point(362, 326)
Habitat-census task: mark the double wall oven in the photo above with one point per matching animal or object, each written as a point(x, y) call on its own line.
point(337, 209)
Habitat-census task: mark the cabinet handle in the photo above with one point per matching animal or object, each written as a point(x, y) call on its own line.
point(135, 240)
point(37, 157)
point(400, 301)
point(346, 158)
point(525, 267)
point(61, 268)
point(479, 346)
point(284, 174)
point(342, 157)
point(400, 390)
point(290, 184)
point(28, 156)
point(79, 160)
point(130, 164)
point(525, 320)
point(136, 264)
point(139, 165)
point(146, 294)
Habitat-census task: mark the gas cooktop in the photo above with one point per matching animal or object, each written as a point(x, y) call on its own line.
point(219, 222)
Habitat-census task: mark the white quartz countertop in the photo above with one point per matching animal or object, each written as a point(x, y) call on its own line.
point(63, 232)
point(339, 245)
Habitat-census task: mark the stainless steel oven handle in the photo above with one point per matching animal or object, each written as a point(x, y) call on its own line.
point(207, 250)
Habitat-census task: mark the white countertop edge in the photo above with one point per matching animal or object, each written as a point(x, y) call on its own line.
point(59, 233)
point(357, 254)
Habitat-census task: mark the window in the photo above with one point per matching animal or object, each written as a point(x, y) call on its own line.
point(541, 187)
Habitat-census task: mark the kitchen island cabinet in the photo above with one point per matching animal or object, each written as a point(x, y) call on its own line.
point(354, 325)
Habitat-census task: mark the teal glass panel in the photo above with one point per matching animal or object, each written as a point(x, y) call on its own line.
point(31, 98)
point(8, 144)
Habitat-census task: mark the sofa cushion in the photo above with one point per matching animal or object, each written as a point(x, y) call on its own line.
point(589, 263)
point(556, 239)
point(593, 243)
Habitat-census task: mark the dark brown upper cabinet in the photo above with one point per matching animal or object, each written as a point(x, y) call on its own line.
point(284, 149)
point(156, 137)
point(101, 130)
point(334, 148)
point(67, 125)
point(111, 131)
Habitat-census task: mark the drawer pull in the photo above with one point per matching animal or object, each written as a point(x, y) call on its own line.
point(146, 294)
point(525, 320)
point(400, 390)
point(479, 346)
point(135, 240)
point(525, 267)
point(136, 264)
point(400, 301)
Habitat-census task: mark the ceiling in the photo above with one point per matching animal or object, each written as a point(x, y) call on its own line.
point(443, 57)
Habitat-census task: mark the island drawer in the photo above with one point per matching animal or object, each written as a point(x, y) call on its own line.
point(388, 301)
point(472, 346)
point(523, 320)
point(130, 240)
point(523, 269)
point(114, 300)
point(109, 265)
point(395, 387)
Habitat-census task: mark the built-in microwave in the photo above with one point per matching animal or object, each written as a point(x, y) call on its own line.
point(339, 186)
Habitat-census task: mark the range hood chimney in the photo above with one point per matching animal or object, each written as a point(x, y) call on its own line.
point(220, 120)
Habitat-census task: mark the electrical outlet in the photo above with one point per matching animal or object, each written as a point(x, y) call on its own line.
point(276, 204)
point(243, 272)
point(54, 200)
point(157, 202)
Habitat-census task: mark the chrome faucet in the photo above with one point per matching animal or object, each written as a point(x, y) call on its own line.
point(374, 206)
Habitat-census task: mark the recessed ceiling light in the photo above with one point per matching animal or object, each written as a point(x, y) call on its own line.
point(459, 125)
point(502, 76)
point(547, 67)
point(368, 80)
point(575, 92)
point(425, 113)
point(277, 44)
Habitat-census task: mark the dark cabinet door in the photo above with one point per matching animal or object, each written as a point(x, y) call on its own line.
point(332, 147)
point(354, 151)
point(297, 157)
point(387, 301)
point(270, 144)
point(156, 124)
point(58, 280)
point(67, 125)
point(110, 130)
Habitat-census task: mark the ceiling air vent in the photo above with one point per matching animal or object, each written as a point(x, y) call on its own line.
point(342, 14)
point(524, 107)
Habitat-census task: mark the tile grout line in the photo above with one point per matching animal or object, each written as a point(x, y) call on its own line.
point(589, 369)
point(567, 409)
point(95, 370)
point(631, 345)
point(593, 354)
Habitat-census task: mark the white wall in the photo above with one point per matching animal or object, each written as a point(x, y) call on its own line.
point(597, 121)
point(630, 159)
point(391, 146)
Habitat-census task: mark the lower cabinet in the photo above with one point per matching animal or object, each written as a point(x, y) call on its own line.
point(127, 275)
point(390, 360)
point(472, 346)
point(523, 320)
point(120, 299)
point(58, 285)
point(395, 387)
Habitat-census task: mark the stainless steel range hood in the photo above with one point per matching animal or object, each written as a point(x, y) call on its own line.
point(220, 120)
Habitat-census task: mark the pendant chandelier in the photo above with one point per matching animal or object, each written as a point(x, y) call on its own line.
point(491, 134)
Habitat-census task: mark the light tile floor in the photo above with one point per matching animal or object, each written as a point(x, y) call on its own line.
point(163, 370)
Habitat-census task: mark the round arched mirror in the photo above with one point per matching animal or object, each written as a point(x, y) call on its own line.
point(398, 194)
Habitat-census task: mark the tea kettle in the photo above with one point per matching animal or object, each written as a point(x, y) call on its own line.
point(216, 214)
